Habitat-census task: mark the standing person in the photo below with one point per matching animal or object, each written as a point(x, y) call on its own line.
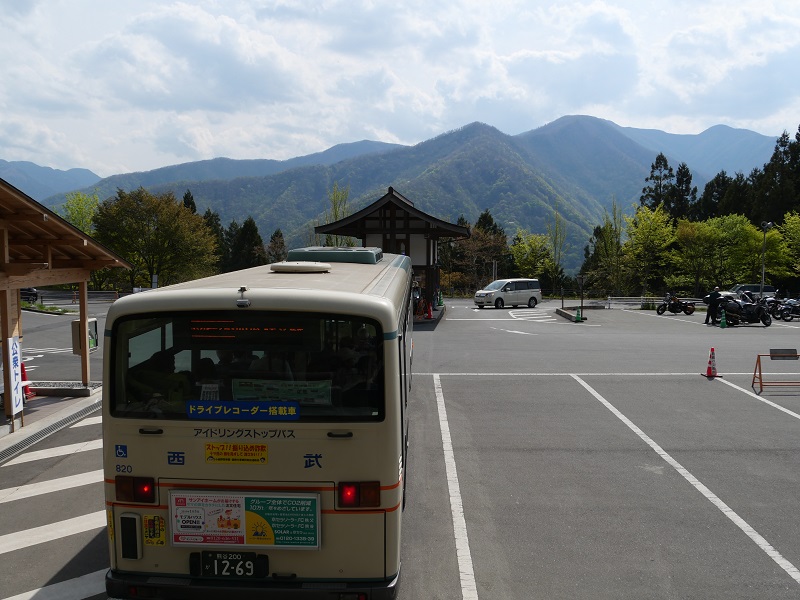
point(713, 306)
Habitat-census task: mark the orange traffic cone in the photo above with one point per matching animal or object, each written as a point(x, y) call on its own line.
point(430, 311)
point(711, 370)
point(29, 393)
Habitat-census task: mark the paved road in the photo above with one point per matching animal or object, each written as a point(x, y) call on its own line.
point(549, 459)
point(47, 345)
point(592, 460)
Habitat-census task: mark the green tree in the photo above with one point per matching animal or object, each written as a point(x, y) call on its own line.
point(79, 209)
point(484, 252)
point(454, 273)
point(777, 190)
point(487, 224)
point(188, 202)
point(246, 246)
point(738, 197)
point(605, 263)
point(338, 197)
point(732, 250)
point(707, 206)
point(557, 237)
point(231, 236)
point(650, 234)
point(659, 183)
point(790, 230)
point(158, 235)
point(214, 224)
point(692, 257)
point(681, 195)
point(531, 253)
point(276, 249)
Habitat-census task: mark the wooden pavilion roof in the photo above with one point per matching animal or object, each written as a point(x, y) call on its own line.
point(38, 247)
point(371, 219)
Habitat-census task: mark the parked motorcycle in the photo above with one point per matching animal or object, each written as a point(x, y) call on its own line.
point(745, 310)
point(674, 305)
point(774, 307)
point(790, 309)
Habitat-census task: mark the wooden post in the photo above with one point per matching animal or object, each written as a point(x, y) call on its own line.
point(84, 329)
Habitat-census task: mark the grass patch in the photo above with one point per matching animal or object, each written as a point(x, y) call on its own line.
point(56, 310)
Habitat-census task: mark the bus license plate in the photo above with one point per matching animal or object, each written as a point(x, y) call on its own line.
point(234, 564)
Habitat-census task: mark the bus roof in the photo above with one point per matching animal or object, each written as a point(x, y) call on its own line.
point(313, 282)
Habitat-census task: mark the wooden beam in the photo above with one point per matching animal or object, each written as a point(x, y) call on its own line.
point(25, 216)
point(44, 278)
point(85, 263)
point(13, 269)
point(47, 242)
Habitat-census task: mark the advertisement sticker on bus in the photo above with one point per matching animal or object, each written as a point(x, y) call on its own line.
point(239, 454)
point(285, 520)
point(155, 530)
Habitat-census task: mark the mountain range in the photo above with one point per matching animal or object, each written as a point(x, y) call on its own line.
point(576, 165)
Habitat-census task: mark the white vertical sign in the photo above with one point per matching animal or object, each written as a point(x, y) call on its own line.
point(15, 362)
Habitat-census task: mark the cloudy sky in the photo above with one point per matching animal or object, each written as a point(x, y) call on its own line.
point(131, 85)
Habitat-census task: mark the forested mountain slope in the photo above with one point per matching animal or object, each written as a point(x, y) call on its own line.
point(575, 165)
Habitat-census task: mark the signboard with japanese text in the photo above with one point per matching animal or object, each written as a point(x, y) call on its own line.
point(242, 410)
point(245, 520)
point(234, 453)
point(15, 375)
point(316, 393)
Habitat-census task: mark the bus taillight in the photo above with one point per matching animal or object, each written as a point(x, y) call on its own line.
point(359, 494)
point(135, 489)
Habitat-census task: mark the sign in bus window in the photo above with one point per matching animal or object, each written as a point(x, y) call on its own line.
point(317, 393)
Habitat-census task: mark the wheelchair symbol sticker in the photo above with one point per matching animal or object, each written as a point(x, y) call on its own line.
point(121, 451)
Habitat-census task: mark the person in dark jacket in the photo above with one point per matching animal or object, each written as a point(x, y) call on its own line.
point(713, 306)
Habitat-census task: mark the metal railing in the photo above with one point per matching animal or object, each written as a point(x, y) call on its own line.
point(56, 297)
point(642, 301)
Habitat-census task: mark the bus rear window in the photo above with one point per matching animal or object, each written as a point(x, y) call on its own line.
point(247, 366)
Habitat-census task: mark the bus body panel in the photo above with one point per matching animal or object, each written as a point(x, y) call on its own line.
point(246, 463)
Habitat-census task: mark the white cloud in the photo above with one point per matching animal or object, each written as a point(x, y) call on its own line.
point(149, 83)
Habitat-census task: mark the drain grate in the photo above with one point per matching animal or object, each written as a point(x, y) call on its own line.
point(23, 445)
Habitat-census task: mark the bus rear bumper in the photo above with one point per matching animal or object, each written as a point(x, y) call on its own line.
point(125, 585)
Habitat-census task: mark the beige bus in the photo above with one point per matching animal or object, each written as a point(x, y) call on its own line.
point(255, 431)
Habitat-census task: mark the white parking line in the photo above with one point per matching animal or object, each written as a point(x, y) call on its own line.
point(88, 421)
point(54, 531)
point(760, 399)
point(759, 540)
point(51, 485)
point(469, 590)
point(519, 332)
point(53, 452)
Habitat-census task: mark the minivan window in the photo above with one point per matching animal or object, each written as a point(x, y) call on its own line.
point(496, 285)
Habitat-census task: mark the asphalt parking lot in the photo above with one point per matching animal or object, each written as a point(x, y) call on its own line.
point(553, 459)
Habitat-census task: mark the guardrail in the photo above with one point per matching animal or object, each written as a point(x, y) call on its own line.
point(641, 301)
point(54, 297)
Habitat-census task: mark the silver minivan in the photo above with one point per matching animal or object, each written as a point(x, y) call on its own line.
point(514, 292)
